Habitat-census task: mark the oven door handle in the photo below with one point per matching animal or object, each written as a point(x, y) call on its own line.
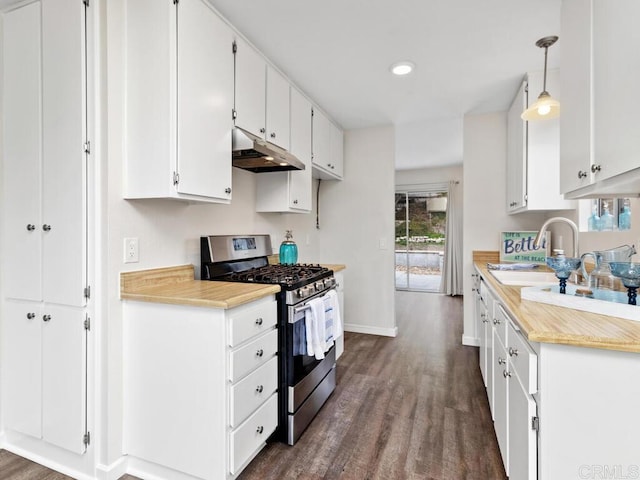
point(306, 306)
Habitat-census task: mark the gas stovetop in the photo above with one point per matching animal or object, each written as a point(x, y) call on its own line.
point(288, 276)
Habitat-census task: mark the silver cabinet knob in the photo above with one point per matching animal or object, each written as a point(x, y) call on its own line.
point(46, 318)
point(259, 321)
point(31, 315)
point(502, 361)
point(582, 174)
point(31, 227)
point(260, 352)
point(262, 130)
point(496, 321)
point(506, 374)
point(513, 352)
point(227, 190)
point(259, 388)
point(260, 429)
point(295, 202)
point(46, 227)
point(273, 135)
point(595, 168)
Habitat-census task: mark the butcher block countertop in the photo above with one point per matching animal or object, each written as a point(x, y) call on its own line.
point(545, 323)
point(176, 285)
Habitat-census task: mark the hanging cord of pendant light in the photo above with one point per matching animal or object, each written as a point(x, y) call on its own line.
point(318, 205)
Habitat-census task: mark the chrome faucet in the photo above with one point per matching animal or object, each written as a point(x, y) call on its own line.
point(546, 224)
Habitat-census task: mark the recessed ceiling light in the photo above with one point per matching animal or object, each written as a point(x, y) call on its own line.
point(402, 68)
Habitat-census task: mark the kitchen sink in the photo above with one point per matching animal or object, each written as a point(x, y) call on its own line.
point(520, 278)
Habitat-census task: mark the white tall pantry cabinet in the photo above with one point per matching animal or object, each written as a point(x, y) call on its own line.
point(45, 248)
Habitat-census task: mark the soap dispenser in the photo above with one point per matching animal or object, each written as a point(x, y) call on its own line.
point(288, 250)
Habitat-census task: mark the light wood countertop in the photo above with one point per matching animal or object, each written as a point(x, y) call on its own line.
point(336, 267)
point(545, 323)
point(176, 285)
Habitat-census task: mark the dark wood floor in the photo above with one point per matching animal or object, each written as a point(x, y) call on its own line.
point(406, 408)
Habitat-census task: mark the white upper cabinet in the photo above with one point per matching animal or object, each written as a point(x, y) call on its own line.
point(533, 151)
point(262, 97)
point(328, 156)
point(45, 162)
point(179, 91)
point(278, 109)
point(599, 123)
point(250, 89)
point(290, 191)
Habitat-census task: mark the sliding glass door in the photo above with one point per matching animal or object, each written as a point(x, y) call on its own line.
point(421, 219)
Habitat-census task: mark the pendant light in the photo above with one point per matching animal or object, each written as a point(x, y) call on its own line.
point(545, 106)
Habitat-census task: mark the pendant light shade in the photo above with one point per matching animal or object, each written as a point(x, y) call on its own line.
point(545, 106)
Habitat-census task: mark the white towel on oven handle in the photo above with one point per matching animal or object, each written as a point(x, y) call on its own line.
point(333, 320)
point(315, 328)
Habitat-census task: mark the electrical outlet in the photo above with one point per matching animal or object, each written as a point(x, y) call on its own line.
point(131, 252)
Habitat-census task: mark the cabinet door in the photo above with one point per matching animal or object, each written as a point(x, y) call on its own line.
point(277, 109)
point(300, 181)
point(321, 140)
point(575, 84)
point(64, 125)
point(250, 88)
point(517, 151)
point(482, 325)
point(64, 392)
point(205, 86)
point(22, 159)
point(522, 437)
point(337, 151)
point(22, 367)
point(616, 66)
point(501, 398)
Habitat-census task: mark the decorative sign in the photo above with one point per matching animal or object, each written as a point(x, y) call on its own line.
point(518, 247)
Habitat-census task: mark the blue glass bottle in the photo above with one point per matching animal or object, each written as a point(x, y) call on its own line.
point(624, 219)
point(288, 250)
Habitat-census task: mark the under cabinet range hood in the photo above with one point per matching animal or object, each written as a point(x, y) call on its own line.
point(253, 153)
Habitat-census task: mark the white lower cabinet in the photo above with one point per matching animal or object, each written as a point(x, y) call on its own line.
point(44, 364)
point(501, 398)
point(200, 385)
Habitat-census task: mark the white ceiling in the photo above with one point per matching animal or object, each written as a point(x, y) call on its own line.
point(470, 57)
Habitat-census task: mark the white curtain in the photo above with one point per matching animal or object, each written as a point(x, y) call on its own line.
point(452, 269)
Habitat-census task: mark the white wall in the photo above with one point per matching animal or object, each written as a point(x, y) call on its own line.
point(428, 175)
point(484, 204)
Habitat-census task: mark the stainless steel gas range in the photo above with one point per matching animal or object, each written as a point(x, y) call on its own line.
point(304, 383)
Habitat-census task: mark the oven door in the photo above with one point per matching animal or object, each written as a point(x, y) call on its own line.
point(309, 381)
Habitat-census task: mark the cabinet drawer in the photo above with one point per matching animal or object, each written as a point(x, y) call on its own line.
point(523, 360)
point(245, 440)
point(252, 355)
point(248, 394)
point(500, 323)
point(246, 323)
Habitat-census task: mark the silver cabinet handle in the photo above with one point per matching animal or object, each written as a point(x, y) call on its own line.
point(595, 168)
point(496, 321)
point(506, 374)
point(31, 227)
point(582, 174)
point(513, 352)
point(227, 190)
point(295, 202)
point(260, 352)
point(259, 388)
point(31, 315)
point(260, 429)
point(259, 321)
point(262, 130)
point(501, 361)
point(46, 227)
point(273, 135)
point(46, 318)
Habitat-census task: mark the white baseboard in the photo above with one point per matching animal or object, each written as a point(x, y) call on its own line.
point(470, 341)
point(368, 329)
point(113, 471)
